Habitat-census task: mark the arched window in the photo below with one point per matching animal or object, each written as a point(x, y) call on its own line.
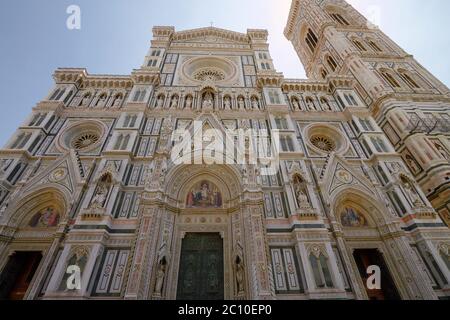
point(55, 94)
point(332, 63)
point(295, 104)
point(324, 102)
point(311, 40)
point(310, 103)
point(118, 143)
point(390, 79)
point(409, 80)
point(374, 46)
point(350, 99)
point(125, 142)
point(68, 97)
point(61, 93)
point(339, 19)
point(324, 73)
point(322, 275)
point(139, 96)
point(359, 45)
point(287, 144)
point(133, 121)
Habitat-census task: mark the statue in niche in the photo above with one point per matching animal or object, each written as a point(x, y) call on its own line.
point(117, 100)
point(188, 104)
point(227, 103)
point(160, 102)
point(442, 151)
point(3, 209)
point(310, 105)
point(101, 100)
point(98, 201)
point(295, 104)
point(174, 103)
point(101, 194)
point(301, 192)
point(160, 275)
point(241, 103)
point(85, 100)
point(255, 104)
point(240, 275)
point(411, 192)
point(208, 102)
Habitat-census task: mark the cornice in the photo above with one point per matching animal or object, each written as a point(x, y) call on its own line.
point(82, 79)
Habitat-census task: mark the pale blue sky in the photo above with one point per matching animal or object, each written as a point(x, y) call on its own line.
point(115, 36)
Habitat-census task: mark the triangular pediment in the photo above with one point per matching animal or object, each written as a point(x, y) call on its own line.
point(66, 172)
point(339, 173)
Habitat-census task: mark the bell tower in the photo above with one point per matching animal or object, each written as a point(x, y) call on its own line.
point(333, 40)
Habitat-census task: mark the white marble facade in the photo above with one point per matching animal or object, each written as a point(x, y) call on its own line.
point(88, 179)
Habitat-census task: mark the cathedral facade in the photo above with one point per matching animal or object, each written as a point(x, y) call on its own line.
point(206, 174)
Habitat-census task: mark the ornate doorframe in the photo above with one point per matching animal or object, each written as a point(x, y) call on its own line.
point(202, 223)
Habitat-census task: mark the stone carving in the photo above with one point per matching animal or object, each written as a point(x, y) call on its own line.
point(255, 104)
point(174, 103)
point(295, 104)
point(301, 193)
point(240, 275)
point(117, 100)
point(98, 201)
point(166, 133)
point(227, 103)
point(3, 209)
point(411, 192)
point(442, 151)
point(241, 103)
point(160, 276)
point(101, 194)
point(188, 104)
point(208, 102)
point(160, 102)
point(85, 100)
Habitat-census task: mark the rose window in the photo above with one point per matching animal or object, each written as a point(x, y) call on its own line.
point(208, 74)
point(323, 143)
point(85, 140)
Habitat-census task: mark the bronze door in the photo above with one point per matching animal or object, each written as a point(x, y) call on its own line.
point(201, 267)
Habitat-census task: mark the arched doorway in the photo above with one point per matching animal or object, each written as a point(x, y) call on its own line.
point(360, 219)
point(207, 233)
point(36, 220)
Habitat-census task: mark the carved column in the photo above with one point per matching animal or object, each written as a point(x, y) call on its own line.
point(145, 249)
point(258, 261)
point(413, 280)
point(44, 268)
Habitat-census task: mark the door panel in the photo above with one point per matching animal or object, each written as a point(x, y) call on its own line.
point(18, 274)
point(364, 259)
point(201, 267)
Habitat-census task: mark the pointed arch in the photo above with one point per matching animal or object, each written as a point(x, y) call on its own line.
point(370, 208)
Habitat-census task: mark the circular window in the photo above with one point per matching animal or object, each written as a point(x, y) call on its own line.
point(324, 138)
point(85, 140)
point(82, 136)
point(213, 69)
point(209, 74)
point(323, 143)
